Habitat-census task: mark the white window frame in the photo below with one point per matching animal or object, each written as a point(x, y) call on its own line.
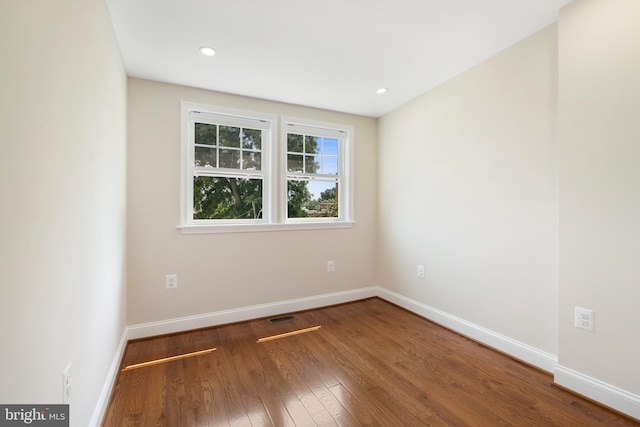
point(273, 173)
point(222, 116)
point(344, 134)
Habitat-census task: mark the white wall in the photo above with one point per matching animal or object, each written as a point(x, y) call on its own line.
point(62, 186)
point(468, 188)
point(229, 271)
point(599, 136)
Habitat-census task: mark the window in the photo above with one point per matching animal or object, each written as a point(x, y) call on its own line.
point(316, 172)
point(229, 181)
point(227, 168)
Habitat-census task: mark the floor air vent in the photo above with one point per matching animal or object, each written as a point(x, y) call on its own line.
point(281, 319)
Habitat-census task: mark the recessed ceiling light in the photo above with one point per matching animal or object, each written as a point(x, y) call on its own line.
point(207, 51)
point(381, 90)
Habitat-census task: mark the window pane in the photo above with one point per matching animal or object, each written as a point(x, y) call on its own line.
point(252, 139)
point(294, 163)
point(294, 143)
point(298, 196)
point(312, 164)
point(309, 199)
point(312, 145)
point(226, 198)
point(205, 134)
point(229, 136)
point(251, 160)
point(330, 146)
point(206, 157)
point(330, 165)
point(324, 203)
point(230, 159)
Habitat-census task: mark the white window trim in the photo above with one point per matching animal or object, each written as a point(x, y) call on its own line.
point(188, 170)
point(274, 178)
point(252, 228)
point(345, 155)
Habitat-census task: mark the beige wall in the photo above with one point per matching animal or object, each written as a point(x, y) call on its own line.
point(468, 188)
point(62, 186)
point(229, 271)
point(599, 136)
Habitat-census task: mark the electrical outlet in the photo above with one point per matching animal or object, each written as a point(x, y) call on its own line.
point(331, 266)
point(421, 272)
point(171, 281)
point(66, 384)
point(584, 319)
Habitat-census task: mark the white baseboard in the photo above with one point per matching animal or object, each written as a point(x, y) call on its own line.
point(206, 320)
point(601, 392)
point(536, 357)
point(105, 394)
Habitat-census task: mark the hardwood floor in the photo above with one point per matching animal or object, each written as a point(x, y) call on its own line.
point(369, 364)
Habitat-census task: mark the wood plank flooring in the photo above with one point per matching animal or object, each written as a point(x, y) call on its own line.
point(369, 364)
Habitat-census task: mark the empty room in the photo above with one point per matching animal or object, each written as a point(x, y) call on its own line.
point(274, 213)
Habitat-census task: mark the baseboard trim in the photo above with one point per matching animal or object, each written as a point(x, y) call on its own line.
point(517, 349)
point(206, 320)
point(110, 381)
point(606, 394)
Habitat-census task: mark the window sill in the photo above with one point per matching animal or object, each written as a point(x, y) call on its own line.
point(248, 228)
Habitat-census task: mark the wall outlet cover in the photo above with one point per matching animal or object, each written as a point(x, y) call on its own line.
point(584, 319)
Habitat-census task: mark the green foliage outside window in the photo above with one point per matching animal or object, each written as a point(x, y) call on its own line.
point(226, 197)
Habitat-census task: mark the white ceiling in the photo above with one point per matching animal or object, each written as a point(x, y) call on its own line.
point(330, 54)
